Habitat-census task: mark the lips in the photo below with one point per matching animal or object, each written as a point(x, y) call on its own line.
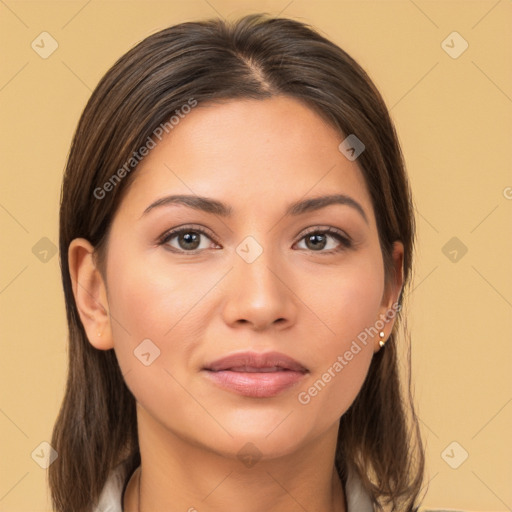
point(253, 362)
point(256, 375)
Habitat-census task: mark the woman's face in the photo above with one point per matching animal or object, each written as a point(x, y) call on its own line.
point(254, 275)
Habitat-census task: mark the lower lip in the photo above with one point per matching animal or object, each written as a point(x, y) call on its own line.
point(256, 385)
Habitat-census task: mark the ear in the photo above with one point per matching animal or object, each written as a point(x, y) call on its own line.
point(389, 306)
point(90, 293)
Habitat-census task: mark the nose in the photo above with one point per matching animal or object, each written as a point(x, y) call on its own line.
point(258, 295)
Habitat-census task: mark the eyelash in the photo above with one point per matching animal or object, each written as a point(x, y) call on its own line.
point(344, 240)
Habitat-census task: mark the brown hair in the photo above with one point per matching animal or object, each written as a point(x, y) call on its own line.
point(255, 57)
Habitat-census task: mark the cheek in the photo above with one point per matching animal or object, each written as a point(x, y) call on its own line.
point(347, 300)
point(155, 326)
point(349, 305)
point(152, 300)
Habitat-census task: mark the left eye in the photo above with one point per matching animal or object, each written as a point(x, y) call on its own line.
point(324, 241)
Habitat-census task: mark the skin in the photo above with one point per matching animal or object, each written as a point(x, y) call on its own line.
point(198, 306)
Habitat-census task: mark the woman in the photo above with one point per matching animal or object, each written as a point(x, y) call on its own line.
point(236, 236)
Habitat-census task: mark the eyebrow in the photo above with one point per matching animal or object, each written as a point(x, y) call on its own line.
point(215, 207)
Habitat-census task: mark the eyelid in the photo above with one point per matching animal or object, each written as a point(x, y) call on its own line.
point(325, 229)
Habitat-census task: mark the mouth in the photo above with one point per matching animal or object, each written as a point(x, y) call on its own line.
point(253, 362)
point(256, 375)
point(254, 369)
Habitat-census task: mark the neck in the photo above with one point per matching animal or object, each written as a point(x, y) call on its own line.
point(176, 475)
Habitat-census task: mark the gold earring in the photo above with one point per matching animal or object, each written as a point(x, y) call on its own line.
point(381, 341)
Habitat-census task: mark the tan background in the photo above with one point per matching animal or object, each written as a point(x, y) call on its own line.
point(454, 119)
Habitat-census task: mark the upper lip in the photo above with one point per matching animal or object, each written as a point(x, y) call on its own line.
point(255, 360)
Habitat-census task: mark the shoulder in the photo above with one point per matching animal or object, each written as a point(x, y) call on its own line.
point(427, 509)
point(110, 499)
point(357, 498)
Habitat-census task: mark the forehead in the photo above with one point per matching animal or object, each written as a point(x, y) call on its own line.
point(249, 152)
